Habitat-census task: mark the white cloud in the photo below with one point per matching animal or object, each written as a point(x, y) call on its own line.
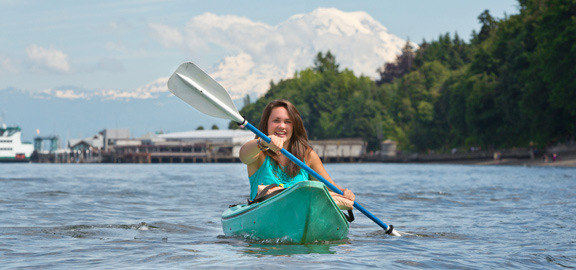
point(253, 53)
point(7, 65)
point(233, 33)
point(49, 59)
point(168, 36)
point(256, 53)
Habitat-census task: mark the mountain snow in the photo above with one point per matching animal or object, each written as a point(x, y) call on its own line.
point(359, 43)
point(148, 91)
point(251, 55)
point(256, 53)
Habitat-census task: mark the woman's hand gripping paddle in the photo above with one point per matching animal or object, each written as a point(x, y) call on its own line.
point(200, 91)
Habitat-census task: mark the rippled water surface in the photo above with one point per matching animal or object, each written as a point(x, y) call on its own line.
point(168, 216)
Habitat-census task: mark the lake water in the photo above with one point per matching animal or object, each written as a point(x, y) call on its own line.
point(79, 216)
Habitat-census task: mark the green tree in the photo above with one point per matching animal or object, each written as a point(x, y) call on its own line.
point(398, 68)
point(326, 63)
point(332, 103)
point(489, 24)
point(513, 83)
point(247, 100)
point(554, 60)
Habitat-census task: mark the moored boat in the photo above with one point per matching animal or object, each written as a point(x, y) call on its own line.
point(11, 147)
point(303, 213)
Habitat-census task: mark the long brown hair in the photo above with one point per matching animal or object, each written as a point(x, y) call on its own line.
point(298, 144)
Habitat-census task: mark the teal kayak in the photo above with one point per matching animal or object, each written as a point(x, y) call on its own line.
point(303, 213)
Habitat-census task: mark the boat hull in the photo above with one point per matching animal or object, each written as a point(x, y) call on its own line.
point(303, 213)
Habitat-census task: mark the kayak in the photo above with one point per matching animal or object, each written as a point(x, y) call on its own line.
point(303, 213)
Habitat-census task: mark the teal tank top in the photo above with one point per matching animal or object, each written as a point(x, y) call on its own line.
point(269, 174)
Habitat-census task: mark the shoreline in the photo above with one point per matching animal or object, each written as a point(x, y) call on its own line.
point(564, 161)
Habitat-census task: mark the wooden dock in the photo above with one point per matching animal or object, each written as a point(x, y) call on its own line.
point(174, 152)
point(135, 151)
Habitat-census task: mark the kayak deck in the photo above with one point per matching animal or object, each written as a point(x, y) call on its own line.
point(303, 213)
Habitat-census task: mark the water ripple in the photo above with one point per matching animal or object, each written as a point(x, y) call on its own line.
point(168, 216)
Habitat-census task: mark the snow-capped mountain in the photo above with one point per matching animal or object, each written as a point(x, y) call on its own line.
point(359, 43)
point(149, 91)
point(254, 53)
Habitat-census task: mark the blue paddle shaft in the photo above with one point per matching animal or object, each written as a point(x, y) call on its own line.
point(315, 174)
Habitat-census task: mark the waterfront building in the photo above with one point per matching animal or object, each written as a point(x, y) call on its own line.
point(230, 139)
point(183, 147)
point(197, 146)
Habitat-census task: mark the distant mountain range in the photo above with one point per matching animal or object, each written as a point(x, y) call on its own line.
point(358, 41)
point(85, 117)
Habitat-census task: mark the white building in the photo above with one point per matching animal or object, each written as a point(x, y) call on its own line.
point(337, 150)
point(113, 135)
point(234, 137)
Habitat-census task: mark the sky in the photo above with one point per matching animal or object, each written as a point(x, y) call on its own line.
point(98, 45)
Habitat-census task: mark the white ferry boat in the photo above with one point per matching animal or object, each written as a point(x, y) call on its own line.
point(11, 146)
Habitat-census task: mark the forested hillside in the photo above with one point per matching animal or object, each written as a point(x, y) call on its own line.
point(512, 84)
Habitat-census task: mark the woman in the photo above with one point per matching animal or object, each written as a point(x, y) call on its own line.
point(267, 166)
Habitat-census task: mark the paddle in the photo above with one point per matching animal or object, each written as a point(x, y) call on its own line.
point(200, 91)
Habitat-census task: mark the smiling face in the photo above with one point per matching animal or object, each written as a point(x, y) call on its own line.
point(282, 119)
point(280, 124)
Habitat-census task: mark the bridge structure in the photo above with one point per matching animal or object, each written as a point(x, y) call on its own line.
point(54, 143)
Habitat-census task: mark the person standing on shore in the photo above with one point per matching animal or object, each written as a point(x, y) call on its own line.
point(267, 166)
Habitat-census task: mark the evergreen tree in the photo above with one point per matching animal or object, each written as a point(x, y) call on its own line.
point(512, 84)
point(399, 68)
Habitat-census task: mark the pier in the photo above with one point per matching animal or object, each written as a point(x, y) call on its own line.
point(200, 146)
point(174, 152)
point(223, 146)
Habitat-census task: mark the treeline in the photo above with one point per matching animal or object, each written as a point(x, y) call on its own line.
point(513, 84)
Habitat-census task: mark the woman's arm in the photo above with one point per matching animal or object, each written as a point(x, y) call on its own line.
point(249, 152)
point(251, 155)
point(314, 162)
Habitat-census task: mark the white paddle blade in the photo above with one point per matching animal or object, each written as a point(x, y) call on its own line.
point(200, 91)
